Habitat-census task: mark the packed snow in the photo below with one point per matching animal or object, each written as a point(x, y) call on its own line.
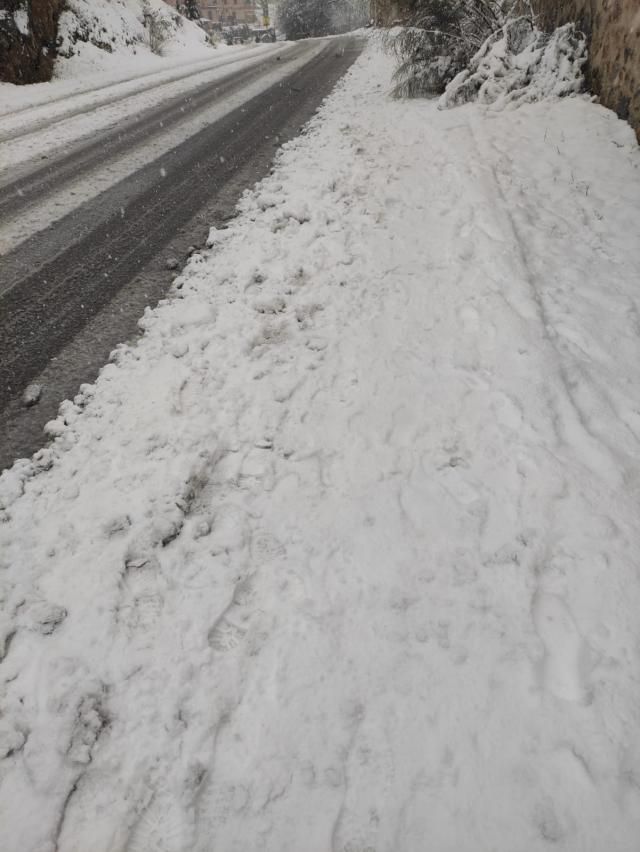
point(343, 553)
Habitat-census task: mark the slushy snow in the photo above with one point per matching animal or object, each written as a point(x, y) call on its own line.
point(343, 554)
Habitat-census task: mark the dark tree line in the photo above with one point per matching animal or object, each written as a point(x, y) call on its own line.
point(190, 9)
point(305, 18)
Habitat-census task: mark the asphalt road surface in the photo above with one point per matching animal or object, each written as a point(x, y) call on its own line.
point(71, 291)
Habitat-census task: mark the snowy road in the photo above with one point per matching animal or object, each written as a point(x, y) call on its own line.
point(343, 555)
point(45, 113)
point(79, 230)
point(20, 120)
point(118, 122)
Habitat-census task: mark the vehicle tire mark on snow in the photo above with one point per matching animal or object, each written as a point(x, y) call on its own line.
point(97, 153)
point(40, 123)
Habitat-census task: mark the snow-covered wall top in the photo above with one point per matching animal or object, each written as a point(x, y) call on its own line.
point(614, 30)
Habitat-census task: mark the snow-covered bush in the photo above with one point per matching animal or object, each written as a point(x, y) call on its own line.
point(521, 63)
point(95, 34)
point(190, 9)
point(440, 40)
point(158, 27)
point(81, 25)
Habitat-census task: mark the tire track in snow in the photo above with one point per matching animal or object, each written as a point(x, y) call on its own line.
point(38, 207)
point(26, 128)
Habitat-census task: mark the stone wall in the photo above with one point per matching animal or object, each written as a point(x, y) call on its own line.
point(613, 27)
point(28, 31)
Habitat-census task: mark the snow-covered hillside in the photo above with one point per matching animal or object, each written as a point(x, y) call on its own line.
point(97, 35)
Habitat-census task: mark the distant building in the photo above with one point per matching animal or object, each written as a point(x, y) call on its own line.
point(226, 12)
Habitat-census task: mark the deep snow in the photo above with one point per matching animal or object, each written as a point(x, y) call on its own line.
point(343, 555)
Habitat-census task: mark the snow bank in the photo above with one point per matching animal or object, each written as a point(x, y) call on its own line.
point(95, 36)
point(518, 64)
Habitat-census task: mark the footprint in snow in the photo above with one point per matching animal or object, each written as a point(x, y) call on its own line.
point(470, 318)
point(565, 657)
point(546, 821)
point(507, 411)
point(230, 628)
point(142, 599)
point(266, 547)
point(225, 635)
point(229, 529)
point(363, 822)
point(161, 828)
point(91, 720)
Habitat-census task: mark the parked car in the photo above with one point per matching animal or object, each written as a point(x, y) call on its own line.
point(264, 35)
point(237, 34)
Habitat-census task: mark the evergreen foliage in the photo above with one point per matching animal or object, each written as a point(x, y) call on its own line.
point(440, 40)
point(304, 18)
point(191, 10)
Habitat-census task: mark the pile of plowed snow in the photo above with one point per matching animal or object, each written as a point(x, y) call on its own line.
point(95, 35)
point(519, 63)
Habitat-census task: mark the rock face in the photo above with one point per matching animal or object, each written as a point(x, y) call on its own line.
point(28, 31)
point(613, 28)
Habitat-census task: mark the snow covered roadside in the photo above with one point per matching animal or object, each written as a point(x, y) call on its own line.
point(124, 52)
point(343, 555)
